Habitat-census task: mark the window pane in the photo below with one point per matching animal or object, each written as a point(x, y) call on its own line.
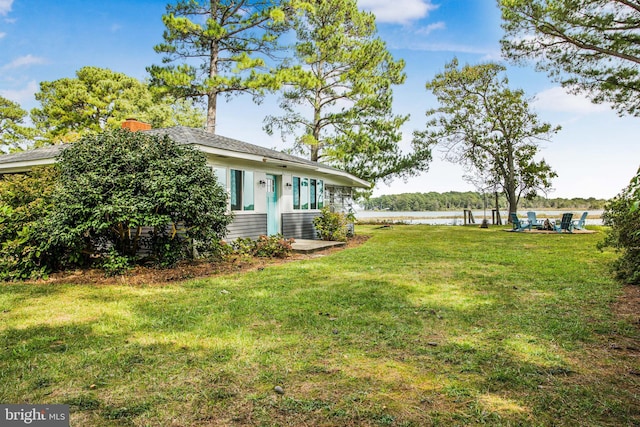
point(236, 190)
point(312, 194)
point(320, 194)
point(296, 192)
point(304, 193)
point(221, 176)
point(247, 195)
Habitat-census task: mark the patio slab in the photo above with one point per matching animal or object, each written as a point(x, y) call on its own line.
point(303, 246)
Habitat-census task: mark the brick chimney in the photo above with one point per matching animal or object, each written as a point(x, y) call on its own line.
point(134, 125)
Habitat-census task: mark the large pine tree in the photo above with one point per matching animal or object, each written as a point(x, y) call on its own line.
point(214, 47)
point(337, 102)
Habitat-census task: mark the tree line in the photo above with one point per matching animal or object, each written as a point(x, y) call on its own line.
point(454, 200)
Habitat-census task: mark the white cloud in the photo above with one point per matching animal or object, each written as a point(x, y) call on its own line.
point(557, 99)
point(450, 47)
point(22, 96)
point(115, 28)
point(24, 61)
point(2, 35)
point(398, 11)
point(5, 7)
point(425, 31)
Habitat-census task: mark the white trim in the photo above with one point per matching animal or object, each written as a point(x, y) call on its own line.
point(279, 163)
point(25, 166)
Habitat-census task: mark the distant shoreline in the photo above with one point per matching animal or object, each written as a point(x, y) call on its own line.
point(453, 200)
point(456, 217)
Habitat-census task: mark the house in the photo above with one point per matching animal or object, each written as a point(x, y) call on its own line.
point(269, 192)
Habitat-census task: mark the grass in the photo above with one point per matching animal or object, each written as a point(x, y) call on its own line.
point(421, 325)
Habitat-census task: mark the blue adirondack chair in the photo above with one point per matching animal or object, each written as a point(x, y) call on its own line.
point(535, 222)
point(579, 224)
point(565, 224)
point(519, 224)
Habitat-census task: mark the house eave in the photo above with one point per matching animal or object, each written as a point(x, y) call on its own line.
point(25, 166)
point(211, 145)
point(217, 152)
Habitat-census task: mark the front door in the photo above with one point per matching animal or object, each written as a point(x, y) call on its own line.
point(273, 225)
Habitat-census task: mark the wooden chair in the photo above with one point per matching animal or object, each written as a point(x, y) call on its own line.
point(518, 224)
point(579, 224)
point(535, 222)
point(565, 224)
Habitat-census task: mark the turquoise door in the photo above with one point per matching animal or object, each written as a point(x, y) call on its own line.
point(272, 206)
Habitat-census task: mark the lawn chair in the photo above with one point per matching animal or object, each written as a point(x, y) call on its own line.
point(579, 224)
point(565, 223)
point(535, 222)
point(519, 224)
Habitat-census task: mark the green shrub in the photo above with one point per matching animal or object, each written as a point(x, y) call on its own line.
point(275, 246)
point(331, 225)
point(114, 264)
point(243, 246)
point(25, 205)
point(623, 216)
point(124, 190)
point(215, 250)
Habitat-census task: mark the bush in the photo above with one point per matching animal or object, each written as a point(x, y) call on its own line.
point(25, 204)
point(114, 264)
point(275, 246)
point(243, 246)
point(623, 216)
point(331, 225)
point(125, 190)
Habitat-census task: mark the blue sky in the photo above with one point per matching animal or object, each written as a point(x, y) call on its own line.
point(595, 154)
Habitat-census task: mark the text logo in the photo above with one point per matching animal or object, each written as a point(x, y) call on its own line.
point(34, 415)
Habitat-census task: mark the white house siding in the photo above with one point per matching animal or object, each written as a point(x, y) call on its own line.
point(295, 223)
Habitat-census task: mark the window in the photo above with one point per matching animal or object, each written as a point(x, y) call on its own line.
point(312, 194)
point(247, 195)
point(304, 193)
point(308, 193)
point(221, 176)
point(241, 190)
point(296, 192)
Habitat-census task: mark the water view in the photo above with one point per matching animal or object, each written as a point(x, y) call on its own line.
point(457, 217)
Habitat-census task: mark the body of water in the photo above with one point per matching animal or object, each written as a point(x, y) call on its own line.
point(457, 218)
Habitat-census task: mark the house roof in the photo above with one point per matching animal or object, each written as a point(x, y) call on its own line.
point(187, 135)
point(44, 153)
point(212, 143)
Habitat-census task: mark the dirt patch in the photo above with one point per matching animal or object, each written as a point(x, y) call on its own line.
point(186, 270)
point(628, 305)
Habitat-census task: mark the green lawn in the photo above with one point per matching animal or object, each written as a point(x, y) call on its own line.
point(421, 325)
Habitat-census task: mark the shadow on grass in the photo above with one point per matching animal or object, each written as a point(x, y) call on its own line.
point(409, 332)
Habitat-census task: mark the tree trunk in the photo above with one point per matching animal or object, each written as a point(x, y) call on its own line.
point(317, 117)
point(510, 185)
point(315, 153)
point(212, 96)
point(512, 199)
point(498, 219)
point(211, 112)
